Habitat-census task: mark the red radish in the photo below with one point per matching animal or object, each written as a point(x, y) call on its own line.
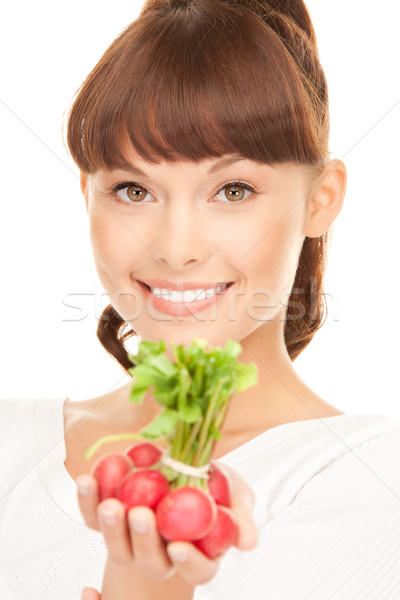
point(108, 471)
point(218, 486)
point(144, 454)
point(222, 536)
point(143, 487)
point(185, 514)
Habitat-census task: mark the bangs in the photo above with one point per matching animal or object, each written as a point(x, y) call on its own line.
point(195, 83)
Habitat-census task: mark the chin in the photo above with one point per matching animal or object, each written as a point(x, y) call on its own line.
point(214, 338)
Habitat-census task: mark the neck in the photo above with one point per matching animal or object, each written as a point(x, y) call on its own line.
point(280, 395)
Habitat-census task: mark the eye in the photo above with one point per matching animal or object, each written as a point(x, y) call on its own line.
point(129, 193)
point(235, 192)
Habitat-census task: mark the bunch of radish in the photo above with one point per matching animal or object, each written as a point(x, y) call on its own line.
point(185, 513)
point(194, 391)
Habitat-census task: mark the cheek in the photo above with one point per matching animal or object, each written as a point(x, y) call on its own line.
point(114, 248)
point(271, 261)
point(110, 239)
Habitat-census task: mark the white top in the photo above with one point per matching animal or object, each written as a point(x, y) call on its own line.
point(327, 510)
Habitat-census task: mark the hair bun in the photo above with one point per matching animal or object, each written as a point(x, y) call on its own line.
point(165, 4)
point(297, 11)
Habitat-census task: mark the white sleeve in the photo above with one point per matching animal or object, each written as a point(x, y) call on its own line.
point(339, 538)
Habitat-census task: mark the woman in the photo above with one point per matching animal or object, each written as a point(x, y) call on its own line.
point(202, 140)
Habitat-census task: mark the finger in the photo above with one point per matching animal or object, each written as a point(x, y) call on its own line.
point(148, 547)
point(88, 500)
point(90, 594)
point(241, 492)
point(191, 564)
point(113, 525)
point(248, 534)
point(242, 505)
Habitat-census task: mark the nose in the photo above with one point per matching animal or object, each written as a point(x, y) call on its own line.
point(178, 241)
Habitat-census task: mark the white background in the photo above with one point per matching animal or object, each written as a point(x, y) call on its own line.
point(50, 349)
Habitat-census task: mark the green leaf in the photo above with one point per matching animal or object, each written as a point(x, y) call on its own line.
point(145, 376)
point(233, 348)
point(163, 424)
point(184, 385)
point(190, 414)
point(179, 353)
point(137, 395)
point(200, 375)
point(166, 397)
point(246, 376)
point(163, 365)
point(197, 378)
point(133, 361)
point(199, 343)
point(147, 350)
point(215, 433)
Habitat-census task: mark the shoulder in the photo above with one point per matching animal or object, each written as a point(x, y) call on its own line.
point(74, 410)
point(19, 436)
point(377, 461)
point(14, 411)
point(367, 472)
point(89, 409)
point(14, 405)
point(18, 417)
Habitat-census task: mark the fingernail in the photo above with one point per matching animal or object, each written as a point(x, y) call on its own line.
point(140, 519)
point(84, 484)
point(177, 554)
point(139, 525)
point(109, 517)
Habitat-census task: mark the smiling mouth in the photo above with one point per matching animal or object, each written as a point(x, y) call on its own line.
point(224, 286)
point(192, 297)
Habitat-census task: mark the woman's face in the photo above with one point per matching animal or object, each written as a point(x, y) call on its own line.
point(211, 222)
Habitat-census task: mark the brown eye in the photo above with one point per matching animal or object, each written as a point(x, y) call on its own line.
point(135, 193)
point(235, 192)
point(132, 193)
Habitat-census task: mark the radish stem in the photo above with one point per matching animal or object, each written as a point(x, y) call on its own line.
point(207, 421)
point(190, 440)
point(111, 438)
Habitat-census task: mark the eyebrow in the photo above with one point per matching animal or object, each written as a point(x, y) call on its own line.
point(224, 162)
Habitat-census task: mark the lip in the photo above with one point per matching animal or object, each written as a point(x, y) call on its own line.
point(182, 308)
point(180, 287)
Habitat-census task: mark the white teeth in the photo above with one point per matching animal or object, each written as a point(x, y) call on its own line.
point(187, 295)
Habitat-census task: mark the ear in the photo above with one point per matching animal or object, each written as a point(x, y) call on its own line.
point(83, 180)
point(326, 198)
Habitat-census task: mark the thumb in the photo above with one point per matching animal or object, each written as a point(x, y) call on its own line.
point(242, 505)
point(90, 594)
point(248, 535)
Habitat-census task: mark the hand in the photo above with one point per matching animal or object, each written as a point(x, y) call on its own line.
point(90, 594)
point(144, 557)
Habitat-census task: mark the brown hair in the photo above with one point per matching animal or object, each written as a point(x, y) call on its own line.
point(195, 79)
